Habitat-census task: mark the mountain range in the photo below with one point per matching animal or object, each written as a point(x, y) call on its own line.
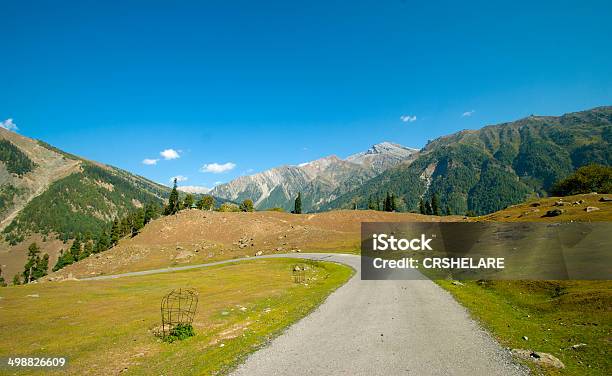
point(320, 181)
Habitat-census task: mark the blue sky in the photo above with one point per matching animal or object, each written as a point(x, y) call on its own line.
point(243, 86)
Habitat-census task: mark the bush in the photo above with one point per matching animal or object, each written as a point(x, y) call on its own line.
point(280, 210)
point(179, 333)
point(228, 207)
point(587, 179)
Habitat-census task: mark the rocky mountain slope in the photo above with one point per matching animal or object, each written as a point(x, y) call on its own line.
point(320, 181)
point(488, 169)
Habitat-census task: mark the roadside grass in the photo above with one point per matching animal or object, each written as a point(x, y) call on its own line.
point(108, 327)
point(553, 315)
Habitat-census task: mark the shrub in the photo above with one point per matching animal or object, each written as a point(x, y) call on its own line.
point(228, 207)
point(179, 333)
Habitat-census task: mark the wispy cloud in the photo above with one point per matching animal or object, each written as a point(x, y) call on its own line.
point(194, 189)
point(408, 118)
point(8, 124)
point(179, 178)
point(170, 154)
point(217, 168)
point(468, 113)
point(150, 161)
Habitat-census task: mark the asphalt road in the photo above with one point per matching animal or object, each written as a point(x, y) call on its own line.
point(386, 327)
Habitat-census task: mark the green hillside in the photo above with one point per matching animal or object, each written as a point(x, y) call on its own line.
point(486, 170)
point(83, 202)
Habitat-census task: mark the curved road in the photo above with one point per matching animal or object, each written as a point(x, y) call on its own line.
point(376, 328)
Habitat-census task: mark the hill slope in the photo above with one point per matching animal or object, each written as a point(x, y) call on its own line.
point(500, 165)
point(47, 194)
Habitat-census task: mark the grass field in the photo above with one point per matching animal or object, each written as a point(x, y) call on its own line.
point(553, 315)
point(107, 327)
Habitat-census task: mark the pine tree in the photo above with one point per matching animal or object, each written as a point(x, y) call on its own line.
point(393, 203)
point(447, 211)
point(435, 205)
point(173, 201)
point(422, 207)
point(36, 266)
point(371, 204)
point(115, 232)
point(151, 212)
point(139, 221)
point(75, 249)
point(103, 242)
point(298, 204)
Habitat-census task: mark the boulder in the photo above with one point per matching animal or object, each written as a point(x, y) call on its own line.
point(540, 358)
point(606, 199)
point(553, 213)
point(589, 209)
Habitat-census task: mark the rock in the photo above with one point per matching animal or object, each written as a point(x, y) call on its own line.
point(541, 358)
point(457, 283)
point(605, 199)
point(179, 248)
point(559, 203)
point(525, 338)
point(578, 345)
point(33, 296)
point(553, 213)
point(259, 253)
point(589, 209)
point(535, 204)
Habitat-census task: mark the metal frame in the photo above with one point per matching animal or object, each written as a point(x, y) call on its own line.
point(178, 307)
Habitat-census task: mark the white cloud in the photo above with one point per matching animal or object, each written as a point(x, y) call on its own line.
point(468, 113)
point(194, 189)
point(8, 124)
point(149, 161)
point(408, 118)
point(179, 178)
point(170, 154)
point(217, 168)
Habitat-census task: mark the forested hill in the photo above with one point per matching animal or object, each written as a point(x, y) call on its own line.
point(488, 169)
point(46, 191)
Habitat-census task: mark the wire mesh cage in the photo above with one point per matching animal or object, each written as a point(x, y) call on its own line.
point(178, 307)
point(298, 272)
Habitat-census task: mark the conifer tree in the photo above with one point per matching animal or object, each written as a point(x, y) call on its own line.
point(103, 242)
point(447, 211)
point(36, 266)
point(75, 249)
point(115, 232)
point(173, 201)
point(435, 205)
point(371, 204)
point(151, 212)
point(297, 209)
point(422, 207)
